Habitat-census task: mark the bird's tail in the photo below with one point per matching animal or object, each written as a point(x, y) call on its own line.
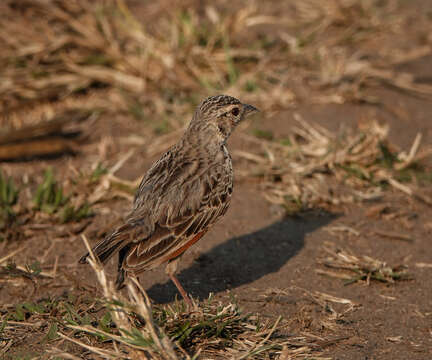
point(105, 249)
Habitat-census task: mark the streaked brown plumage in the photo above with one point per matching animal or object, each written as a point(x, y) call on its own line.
point(182, 195)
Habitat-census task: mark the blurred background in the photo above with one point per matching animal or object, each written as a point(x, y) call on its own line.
point(91, 92)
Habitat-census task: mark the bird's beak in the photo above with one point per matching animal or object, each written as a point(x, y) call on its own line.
point(249, 109)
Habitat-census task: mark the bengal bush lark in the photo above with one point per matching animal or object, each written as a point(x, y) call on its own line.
point(182, 195)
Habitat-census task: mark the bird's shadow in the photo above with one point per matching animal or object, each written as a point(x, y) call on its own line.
point(244, 259)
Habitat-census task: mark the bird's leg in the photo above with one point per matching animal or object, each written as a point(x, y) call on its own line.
point(171, 270)
point(181, 290)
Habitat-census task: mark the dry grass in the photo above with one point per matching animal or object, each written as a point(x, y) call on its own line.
point(365, 268)
point(149, 65)
point(211, 330)
point(315, 168)
point(129, 327)
point(272, 56)
point(52, 49)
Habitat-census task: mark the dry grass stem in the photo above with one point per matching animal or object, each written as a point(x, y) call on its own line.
point(121, 309)
point(365, 268)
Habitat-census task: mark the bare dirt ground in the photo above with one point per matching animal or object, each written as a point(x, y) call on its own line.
point(264, 255)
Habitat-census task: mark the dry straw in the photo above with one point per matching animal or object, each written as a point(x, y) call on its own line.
point(314, 167)
point(210, 330)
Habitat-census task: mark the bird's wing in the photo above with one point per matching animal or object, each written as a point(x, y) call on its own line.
point(170, 241)
point(174, 203)
point(186, 209)
point(139, 225)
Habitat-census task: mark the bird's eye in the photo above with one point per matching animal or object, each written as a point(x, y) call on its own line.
point(235, 111)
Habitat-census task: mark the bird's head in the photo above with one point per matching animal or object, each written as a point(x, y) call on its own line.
point(217, 116)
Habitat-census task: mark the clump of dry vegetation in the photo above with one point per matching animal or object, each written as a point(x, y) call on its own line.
point(365, 268)
point(128, 327)
point(329, 51)
point(314, 167)
point(158, 72)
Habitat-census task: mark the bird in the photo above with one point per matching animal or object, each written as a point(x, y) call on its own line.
point(181, 196)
